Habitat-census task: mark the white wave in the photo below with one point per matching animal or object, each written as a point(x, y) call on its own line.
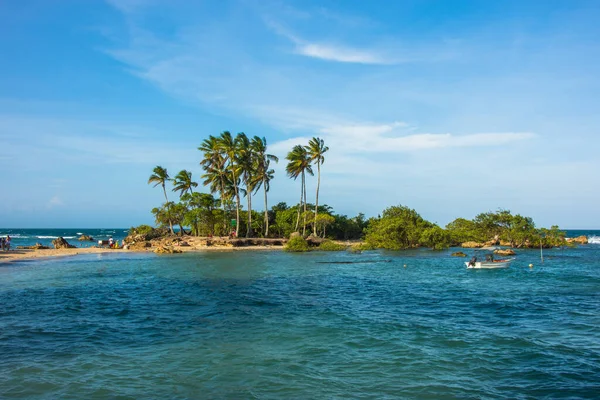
point(55, 237)
point(14, 236)
point(594, 239)
point(79, 233)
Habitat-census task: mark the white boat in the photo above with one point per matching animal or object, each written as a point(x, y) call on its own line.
point(488, 262)
point(495, 264)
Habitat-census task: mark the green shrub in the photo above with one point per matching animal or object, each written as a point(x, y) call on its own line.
point(329, 245)
point(296, 244)
point(141, 230)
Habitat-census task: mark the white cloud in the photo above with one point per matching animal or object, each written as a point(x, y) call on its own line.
point(340, 54)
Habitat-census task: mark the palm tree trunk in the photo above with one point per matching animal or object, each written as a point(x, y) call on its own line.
point(167, 202)
point(223, 203)
point(300, 204)
point(304, 190)
point(237, 202)
point(266, 212)
point(317, 200)
point(249, 227)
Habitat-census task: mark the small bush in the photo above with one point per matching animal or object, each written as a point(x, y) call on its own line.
point(329, 245)
point(296, 244)
point(141, 230)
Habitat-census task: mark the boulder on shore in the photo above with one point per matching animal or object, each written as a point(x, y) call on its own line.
point(166, 250)
point(504, 252)
point(85, 238)
point(138, 245)
point(471, 245)
point(314, 240)
point(61, 243)
point(579, 239)
point(458, 254)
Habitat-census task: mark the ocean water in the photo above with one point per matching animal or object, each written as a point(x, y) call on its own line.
point(29, 237)
point(273, 325)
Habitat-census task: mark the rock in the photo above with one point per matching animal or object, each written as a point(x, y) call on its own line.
point(86, 238)
point(139, 245)
point(458, 254)
point(504, 252)
point(471, 245)
point(314, 240)
point(184, 244)
point(61, 243)
point(166, 250)
point(579, 239)
point(294, 234)
point(505, 243)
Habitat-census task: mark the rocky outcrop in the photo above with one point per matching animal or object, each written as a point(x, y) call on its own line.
point(504, 252)
point(61, 243)
point(314, 240)
point(471, 245)
point(85, 238)
point(578, 240)
point(145, 236)
point(139, 246)
point(458, 254)
point(166, 250)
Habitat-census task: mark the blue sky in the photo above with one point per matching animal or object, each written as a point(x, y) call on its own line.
point(449, 107)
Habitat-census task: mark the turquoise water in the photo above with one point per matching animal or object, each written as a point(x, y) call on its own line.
point(29, 237)
point(272, 325)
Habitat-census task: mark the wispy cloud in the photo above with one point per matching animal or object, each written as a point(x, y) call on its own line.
point(339, 53)
point(328, 51)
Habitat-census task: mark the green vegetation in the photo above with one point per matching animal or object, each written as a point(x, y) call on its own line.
point(329, 245)
point(239, 166)
point(501, 227)
point(401, 228)
point(297, 244)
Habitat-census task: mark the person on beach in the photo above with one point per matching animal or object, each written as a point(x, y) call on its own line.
point(110, 242)
point(2, 243)
point(7, 243)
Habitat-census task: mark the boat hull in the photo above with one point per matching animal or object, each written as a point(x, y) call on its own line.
point(498, 264)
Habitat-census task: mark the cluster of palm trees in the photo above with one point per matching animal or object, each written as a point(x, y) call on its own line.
point(300, 161)
point(236, 166)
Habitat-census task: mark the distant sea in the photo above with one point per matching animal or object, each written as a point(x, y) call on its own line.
point(320, 325)
point(29, 237)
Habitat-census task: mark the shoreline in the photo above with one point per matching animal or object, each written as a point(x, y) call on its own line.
point(44, 254)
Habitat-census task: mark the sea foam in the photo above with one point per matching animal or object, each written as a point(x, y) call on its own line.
point(594, 239)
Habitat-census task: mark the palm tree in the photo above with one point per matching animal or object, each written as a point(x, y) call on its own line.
point(298, 165)
point(159, 177)
point(183, 182)
point(214, 164)
point(229, 147)
point(263, 173)
point(316, 148)
point(245, 159)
